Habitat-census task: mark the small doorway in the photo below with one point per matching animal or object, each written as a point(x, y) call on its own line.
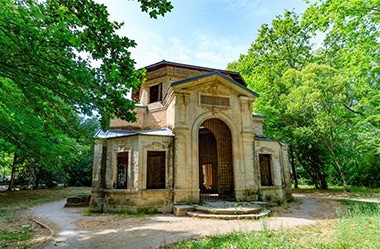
point(207, 162)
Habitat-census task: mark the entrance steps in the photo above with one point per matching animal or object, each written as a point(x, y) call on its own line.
point(223, 210)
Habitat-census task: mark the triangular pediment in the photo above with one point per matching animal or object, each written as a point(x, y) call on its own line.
point(214, 83)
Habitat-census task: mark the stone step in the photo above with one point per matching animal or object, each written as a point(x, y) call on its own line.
point(228, 210)
point(196, 214)
point(180, 210)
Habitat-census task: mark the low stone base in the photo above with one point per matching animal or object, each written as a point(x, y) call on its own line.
point(78, 201)
point(133, 200)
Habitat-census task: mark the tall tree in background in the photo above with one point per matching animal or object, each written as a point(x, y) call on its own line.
point(47, 79)
point(283, 45)
point(352, 46)
point(335, 137)
point(315, 112)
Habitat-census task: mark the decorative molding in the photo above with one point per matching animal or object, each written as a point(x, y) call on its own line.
point(265, 149)
point(156, 146)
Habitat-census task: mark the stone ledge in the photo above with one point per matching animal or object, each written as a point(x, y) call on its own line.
point(263, 213)
point(180, 210)
point(78, 201)
point(229, 211)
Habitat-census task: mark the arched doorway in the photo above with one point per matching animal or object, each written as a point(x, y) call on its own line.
point(216, 177)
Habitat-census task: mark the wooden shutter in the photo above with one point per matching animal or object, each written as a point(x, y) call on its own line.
point(155, 170)
point(265, 169)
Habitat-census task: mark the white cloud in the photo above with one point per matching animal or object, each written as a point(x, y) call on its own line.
point(203, 49)
point(252, 7)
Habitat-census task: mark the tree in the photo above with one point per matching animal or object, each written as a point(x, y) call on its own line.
point(315, 112)
point(352, 46)
point(333, 137)
point(47, 48)
point(79, 173)
point(47, 79)
point(283, 45)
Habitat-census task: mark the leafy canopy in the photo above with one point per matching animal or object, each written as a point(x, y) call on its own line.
point(48, 50)
point(324, 101)
point(47, 47)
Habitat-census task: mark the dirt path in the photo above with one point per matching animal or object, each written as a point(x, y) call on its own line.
point(110, 231)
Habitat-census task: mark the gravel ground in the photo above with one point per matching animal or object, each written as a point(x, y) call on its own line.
point(73, 230)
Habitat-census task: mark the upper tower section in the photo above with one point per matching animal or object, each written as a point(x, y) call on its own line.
point(161, 75)
point(159, 106)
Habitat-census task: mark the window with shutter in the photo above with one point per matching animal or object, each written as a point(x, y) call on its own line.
point(155, 170)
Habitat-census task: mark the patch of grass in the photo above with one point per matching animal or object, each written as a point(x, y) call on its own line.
point(15, 238)
point(15, 231)
point(359, 228)
point(3, 212)
point(20, 235)
point(336, 188)
point(26, 198)
point(356, 192)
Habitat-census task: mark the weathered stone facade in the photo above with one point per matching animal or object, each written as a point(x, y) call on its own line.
point(156, 162)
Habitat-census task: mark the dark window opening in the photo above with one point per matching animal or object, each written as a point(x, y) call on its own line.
point(155, 93)
point(155, 170)
point(265, 169)
point(122, 169)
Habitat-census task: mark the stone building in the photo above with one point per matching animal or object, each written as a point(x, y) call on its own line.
point(195, 137)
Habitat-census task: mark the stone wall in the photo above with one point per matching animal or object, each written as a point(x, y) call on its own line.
point(280, 190)
point(136, 196)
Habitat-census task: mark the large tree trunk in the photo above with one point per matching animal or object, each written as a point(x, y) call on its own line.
point(322, 178)
point(37, 172)
point(330, 146)
point(338, 168)
point(14, 166)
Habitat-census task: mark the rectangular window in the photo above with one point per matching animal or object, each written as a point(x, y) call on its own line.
point(122, 170)
point(265, 169)
point(155, 175)
point(155, 93)
point(215, 100)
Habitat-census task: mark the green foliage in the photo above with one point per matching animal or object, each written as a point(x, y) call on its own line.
point(323, 101)
point(48, 79)
point(47, 49)
point(352, 46)
point(80, 171)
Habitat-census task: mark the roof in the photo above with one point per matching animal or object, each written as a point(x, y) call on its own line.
point(258, 138)
point(258, 115)
point(235, 75)
point(126, 133)
point(211, 74)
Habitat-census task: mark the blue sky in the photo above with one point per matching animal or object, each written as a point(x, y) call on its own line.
point(208, 33)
